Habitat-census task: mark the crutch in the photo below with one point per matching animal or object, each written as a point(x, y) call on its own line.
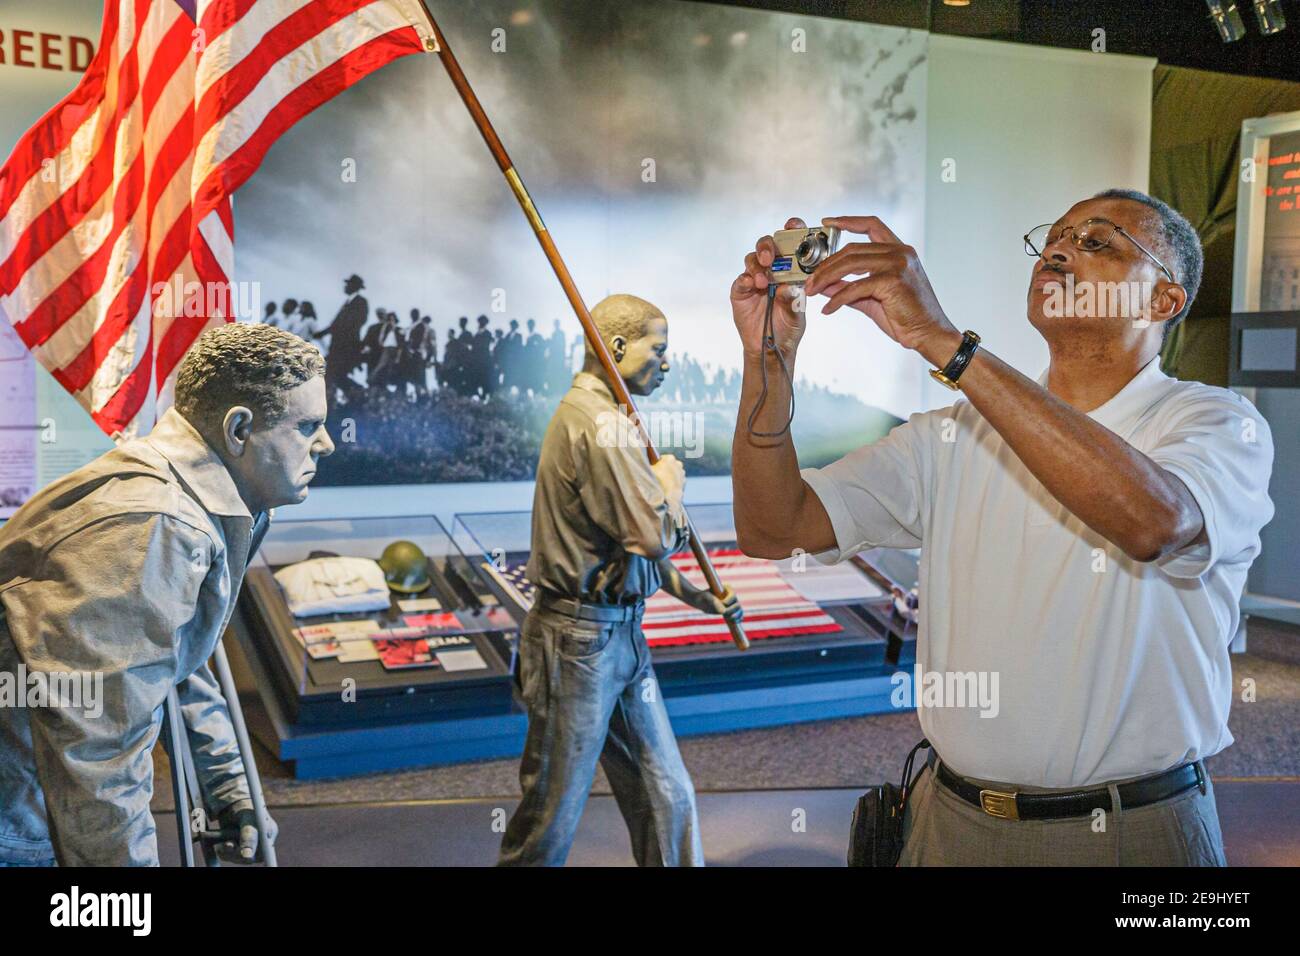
point(229, 691)
point(193, 827)
point(184, 789)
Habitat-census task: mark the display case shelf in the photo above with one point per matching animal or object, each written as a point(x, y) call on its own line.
point(463, 666)
point(864, 635)
point(395, 719)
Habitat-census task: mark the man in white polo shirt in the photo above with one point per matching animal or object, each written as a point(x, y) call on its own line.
point(1085, 537)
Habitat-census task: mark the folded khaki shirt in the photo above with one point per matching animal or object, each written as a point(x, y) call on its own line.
point(333, 586)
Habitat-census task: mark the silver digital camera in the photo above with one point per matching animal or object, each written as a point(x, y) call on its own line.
point(800, 251)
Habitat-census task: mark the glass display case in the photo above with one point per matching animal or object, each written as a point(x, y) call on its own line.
point(804, 619)
point(441, 646)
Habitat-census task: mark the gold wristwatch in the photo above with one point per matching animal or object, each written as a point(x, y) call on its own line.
point(950, 373)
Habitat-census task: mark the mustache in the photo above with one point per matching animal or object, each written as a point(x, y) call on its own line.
point(1055, 274)
point(1057, 268)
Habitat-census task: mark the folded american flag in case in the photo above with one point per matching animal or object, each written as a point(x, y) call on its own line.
point(772, 607)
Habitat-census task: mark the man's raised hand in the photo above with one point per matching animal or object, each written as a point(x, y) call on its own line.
point(749, 301)
point(893, 292)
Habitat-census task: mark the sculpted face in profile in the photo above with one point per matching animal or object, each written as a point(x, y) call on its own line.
point(636, 333)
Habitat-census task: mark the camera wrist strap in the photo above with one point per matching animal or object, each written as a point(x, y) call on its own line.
point(769, 345)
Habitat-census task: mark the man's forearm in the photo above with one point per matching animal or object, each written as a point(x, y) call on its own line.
point(672, 581)
point(771, 506)
point(218, 762)
point(1103, 480)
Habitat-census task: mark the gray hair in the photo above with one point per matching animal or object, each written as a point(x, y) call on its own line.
point(238, 364)
point(1175, 241)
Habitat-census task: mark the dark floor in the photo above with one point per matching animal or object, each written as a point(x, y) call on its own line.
point(752, 785)
point(1260, 820)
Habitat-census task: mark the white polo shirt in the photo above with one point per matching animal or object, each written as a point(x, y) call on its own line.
point(1106, 667)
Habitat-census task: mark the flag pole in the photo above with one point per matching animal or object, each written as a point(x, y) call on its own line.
point(438, 44)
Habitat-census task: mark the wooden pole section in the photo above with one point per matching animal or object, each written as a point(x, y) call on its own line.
point(621, 394)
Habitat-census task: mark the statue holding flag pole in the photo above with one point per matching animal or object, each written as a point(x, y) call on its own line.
point(653, 790)
point(605, 522)
point(436, 43)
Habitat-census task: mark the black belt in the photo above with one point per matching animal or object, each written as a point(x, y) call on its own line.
point(1073, 803)
point(602, 613)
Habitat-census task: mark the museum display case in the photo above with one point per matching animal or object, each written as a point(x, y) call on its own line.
point(809, 623)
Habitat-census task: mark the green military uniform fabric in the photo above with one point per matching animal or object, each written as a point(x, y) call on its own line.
point(601, 522)
point(1196, 118)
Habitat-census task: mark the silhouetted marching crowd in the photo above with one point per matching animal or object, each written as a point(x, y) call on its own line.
point(403, 357)
point(481, 363)
point(480, 402)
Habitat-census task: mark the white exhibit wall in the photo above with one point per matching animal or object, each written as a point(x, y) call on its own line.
point(44, 49)
point(1027, 132)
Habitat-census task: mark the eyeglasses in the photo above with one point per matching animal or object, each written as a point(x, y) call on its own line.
point(1092, 235)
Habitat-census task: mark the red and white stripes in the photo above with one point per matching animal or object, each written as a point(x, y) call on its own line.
point(772, 607)
point(125, 185)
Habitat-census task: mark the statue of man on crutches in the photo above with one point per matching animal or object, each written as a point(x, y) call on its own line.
point(123, 574)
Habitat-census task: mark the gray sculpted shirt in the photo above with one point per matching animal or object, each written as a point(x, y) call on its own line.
point(126, 572)
point(600, 519)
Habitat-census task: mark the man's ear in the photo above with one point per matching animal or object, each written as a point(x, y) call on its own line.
point(236, 428)
point(618, 345)
point(1168, 300)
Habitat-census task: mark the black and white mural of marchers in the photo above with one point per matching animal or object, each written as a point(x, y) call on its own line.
point(659, 139)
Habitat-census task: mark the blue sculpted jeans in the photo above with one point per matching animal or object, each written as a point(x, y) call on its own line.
point(592, 695)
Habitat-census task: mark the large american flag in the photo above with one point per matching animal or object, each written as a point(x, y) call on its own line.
point(120, 195)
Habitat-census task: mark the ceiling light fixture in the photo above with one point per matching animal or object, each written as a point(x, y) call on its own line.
point(1226, 19)
point(1269, 15)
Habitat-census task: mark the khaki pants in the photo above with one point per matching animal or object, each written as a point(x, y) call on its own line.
point(941, 829)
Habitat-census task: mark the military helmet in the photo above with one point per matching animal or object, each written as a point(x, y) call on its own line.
point(405, 567)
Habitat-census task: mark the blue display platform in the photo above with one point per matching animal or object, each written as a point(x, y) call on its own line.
point(316, 752)
point(398, 719)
